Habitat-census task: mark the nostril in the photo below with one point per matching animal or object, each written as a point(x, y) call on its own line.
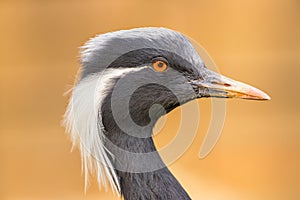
point(218, 83)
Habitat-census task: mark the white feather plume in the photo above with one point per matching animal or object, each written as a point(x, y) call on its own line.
point(85, 125)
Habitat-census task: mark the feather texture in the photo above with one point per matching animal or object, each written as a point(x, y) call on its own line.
point(85, 125)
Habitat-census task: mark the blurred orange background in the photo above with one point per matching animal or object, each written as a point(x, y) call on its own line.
point(257, 42)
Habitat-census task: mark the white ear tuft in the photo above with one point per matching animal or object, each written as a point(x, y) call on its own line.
point(85, 125)
point(82, 122)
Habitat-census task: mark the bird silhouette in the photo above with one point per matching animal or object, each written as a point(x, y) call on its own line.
point(128, 80)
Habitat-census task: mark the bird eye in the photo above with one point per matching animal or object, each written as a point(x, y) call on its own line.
point(160, 65)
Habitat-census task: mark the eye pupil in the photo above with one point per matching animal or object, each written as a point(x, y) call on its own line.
point(160, 64)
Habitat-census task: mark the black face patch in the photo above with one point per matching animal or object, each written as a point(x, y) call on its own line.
point(147, 56)
point(149, 94)
point(145, 97)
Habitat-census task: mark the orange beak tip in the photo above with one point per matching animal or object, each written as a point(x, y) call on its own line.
point(255, 94)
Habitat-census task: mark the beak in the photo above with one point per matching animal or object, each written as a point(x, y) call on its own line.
point(216, 85)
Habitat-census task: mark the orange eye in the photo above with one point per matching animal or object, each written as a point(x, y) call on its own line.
point(160, 65)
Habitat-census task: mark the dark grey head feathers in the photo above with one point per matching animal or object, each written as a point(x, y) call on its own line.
point(100, 52)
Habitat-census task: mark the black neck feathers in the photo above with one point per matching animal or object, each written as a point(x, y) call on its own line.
point(136, 183)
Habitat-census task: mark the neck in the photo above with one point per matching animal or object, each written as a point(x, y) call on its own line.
point(141, 171)
point(150, 184)
point(160, 184)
